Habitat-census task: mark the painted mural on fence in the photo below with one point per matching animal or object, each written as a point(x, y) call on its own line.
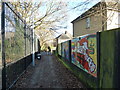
point(84, 53)
point(73, 50)
point(65, 50)
point(59, 49)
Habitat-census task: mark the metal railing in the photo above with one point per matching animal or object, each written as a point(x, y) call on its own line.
point(17, 47)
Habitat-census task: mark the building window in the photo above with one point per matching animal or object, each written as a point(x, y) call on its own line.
point(88, 22)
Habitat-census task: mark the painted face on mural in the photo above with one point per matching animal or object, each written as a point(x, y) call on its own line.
point(84, 53)
point(82, 49)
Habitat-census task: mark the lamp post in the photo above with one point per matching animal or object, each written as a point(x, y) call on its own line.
point(33, 52)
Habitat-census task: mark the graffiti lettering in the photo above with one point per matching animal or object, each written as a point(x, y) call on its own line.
point(84, 53)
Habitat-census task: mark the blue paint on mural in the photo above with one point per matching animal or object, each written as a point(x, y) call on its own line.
point(65, 50)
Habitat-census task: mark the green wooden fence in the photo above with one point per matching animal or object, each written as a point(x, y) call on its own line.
point(109, 56)
point(108, 62)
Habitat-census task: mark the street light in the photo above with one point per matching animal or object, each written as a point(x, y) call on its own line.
point(33, 53)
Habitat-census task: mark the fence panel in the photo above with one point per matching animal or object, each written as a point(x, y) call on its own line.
point(109, 59)
point(16, 41)
point(73, 51)
point(14, 46)
point(66, 50)
point(28, 37)
point(59, 49)
point(84, 53)
point(18, 45)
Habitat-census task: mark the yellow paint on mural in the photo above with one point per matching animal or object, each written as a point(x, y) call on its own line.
point(92, 44)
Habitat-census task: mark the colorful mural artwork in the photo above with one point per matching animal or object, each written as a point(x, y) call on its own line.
point(65, 50)
point(73, 51)
point(84, 53)
point(59, 49)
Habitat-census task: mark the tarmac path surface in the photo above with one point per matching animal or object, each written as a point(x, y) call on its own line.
point(48, 73)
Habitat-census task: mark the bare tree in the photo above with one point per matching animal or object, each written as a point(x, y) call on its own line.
point(44, 16)
point(108, 11)
point(51, 15)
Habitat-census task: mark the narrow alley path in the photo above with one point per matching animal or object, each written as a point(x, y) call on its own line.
point(48, 73)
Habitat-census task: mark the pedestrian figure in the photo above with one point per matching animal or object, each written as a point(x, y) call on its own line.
point(49, 49)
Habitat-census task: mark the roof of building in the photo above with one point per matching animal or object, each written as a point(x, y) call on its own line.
point(87, 12)
point(107, 5)
point(65, 35)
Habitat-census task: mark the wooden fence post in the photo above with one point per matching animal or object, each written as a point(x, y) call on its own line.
point(98, 59)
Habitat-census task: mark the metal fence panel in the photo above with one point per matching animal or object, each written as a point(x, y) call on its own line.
point(16, 40)
point(14, 37)
point(18, 46)
point(28, 37)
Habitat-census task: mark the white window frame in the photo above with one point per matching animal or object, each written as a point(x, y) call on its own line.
point(88, 22)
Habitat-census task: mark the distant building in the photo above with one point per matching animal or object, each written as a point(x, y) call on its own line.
point(62, 38)
point(102, 16)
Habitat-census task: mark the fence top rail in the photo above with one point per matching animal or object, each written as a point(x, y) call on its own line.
point(110, 30)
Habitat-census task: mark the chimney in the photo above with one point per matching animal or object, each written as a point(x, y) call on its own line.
point(65, 32)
